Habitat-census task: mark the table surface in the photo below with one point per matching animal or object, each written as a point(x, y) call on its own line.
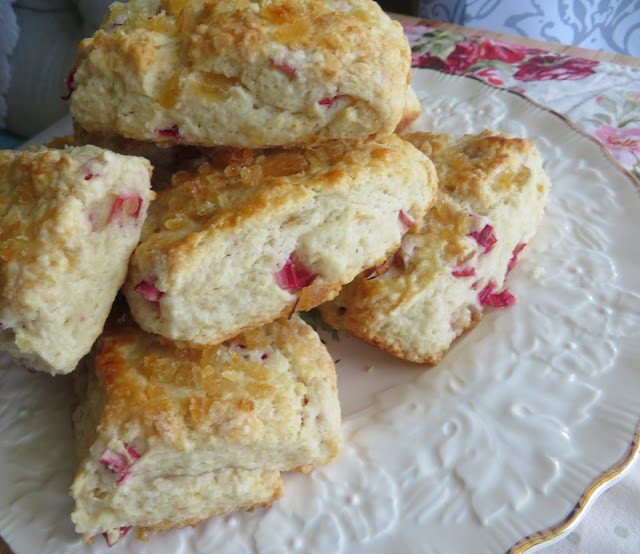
point(611, 523)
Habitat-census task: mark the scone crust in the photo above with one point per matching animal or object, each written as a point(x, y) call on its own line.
point(411, 112)
point(267, 398)
point(247, 74)
point(433, 288)
point(69, 220)
point(216, 241)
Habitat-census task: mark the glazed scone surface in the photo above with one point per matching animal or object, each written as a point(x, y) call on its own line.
point(492, 192)
point(246, 241)
point(266, 399)
point(248, 74)
point(69, 220)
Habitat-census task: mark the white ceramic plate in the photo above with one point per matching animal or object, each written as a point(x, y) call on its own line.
point(524, 419)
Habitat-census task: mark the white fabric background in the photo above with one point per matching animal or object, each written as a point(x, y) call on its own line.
point(606, 527)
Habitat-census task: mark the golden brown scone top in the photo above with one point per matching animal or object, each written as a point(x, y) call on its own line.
point(238, 185)
point(156, 387)
point(33, 184)
point(285, 63)
point(241, 28)
point(472, 163)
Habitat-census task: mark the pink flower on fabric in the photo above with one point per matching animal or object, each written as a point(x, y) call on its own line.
point(427, 60)
point(504, 51)
point(490, 75)
point(547, 68)
point(464, 55)
point(623, 143)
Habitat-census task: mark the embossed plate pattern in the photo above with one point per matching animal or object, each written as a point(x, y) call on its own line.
point(499, 441)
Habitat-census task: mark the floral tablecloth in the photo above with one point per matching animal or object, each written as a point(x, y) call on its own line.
point(606, 104)
point(603, 100)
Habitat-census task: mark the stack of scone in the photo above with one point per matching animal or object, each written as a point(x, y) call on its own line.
point(270, 127)
point(279, 182)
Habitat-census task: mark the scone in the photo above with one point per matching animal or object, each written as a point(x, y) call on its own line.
point(158, 421)
point(254, 236)
point(69, 220)
point(246, 74)
point(492, 192)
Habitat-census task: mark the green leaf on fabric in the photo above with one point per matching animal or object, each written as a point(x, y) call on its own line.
point(624, 122)
point(492, 64)
point(438, 43)
point(629, 106)
point(600, 119)
point(608, 104)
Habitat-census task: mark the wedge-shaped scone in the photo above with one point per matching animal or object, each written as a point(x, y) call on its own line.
point(246, 74)
point(255, 235)
point(69, 220)
point(492, 192)
point(159, 425)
